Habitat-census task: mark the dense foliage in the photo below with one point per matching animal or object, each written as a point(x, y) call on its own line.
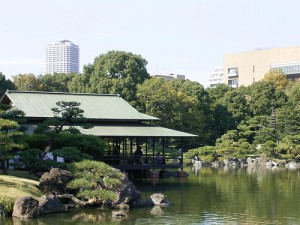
point(95, 180)
point(262, 118)
point(116, 72)
point(10, 133)
point(5, 84)
point(236, 122)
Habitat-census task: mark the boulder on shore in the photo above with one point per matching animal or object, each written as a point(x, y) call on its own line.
point(50, 204)
point(26, 207)
point(293, 165)
point(55, 181)
point(128, 194)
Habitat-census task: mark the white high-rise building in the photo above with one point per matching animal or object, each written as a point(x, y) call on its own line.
point(62, 57)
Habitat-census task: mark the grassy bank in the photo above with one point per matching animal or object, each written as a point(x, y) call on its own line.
point(17, 184)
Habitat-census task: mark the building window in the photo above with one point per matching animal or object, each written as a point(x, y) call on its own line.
point(292, 68)
point(232, 72)
point(233, 83)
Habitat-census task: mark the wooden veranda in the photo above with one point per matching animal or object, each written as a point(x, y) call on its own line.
point(121, 153)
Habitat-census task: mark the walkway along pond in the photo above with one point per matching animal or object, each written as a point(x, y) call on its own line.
point(253, 195)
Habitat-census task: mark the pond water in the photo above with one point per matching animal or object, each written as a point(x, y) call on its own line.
point(206, 196)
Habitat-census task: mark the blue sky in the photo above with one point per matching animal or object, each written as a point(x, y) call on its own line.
point(175, 36)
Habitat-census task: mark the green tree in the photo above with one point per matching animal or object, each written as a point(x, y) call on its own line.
point(231, 145)
point(57, 82)
point(158, 99)
point(219, 119)
point(226, 145)
point(95, 180)
point(288, 120)
point(293, 144)
point(222, 121)
point(66, 114)
point(8, 141)
point(87, 144)
point(71, 154)
point(277, 77)
point(263, 96)
point(80, 84)
point(294, 95)
point(192, 89)
point(268, 148)
point(26, 82)
point(257, 130)
point(116, 72)
point(5, 84)
point(218, 92)
point(30, 159)
point(175, 104)
point(236, 104)
point(288, 116)
point(195, 112)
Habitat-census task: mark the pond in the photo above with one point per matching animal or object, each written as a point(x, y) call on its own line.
point(206, 196)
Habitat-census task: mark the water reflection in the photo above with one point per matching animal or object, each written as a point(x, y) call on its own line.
point(208, 196)
point(257, 195)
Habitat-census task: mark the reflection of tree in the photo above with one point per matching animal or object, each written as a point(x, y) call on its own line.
point(251, 193)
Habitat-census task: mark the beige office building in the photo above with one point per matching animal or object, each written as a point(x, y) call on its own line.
point(243, 69)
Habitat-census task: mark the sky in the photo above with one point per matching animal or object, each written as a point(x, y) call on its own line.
point(187, 37)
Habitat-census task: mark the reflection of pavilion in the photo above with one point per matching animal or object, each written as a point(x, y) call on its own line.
point(113, 119)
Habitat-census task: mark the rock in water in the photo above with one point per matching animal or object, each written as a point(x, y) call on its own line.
point(158, 199)
point(50, 204)
point(26, 207)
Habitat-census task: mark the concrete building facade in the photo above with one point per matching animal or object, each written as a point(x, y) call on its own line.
point(62, 57)
point(245, 68)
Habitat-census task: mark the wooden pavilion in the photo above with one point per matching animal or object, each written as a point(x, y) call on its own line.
point(114, 120)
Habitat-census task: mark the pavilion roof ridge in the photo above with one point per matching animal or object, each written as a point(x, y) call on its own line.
point(61, 93)
point(37, 105)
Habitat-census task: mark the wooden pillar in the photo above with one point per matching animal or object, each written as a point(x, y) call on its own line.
point(147, 148)
point(163, 142)
point(123, 150)
point(137, 142)
point(131, 147)
point(153, 150)
point(181, 161)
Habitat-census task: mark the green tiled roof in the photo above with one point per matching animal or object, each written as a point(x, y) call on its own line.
point(126, 130)
point(135, 130)
point(116, 118)
point(95, 106)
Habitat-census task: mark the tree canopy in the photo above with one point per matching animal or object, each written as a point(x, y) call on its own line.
point(277, 77)
point(26, 82)
point(10, 134)
point(65, 114)
point(5, 84)
point(116, 72)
